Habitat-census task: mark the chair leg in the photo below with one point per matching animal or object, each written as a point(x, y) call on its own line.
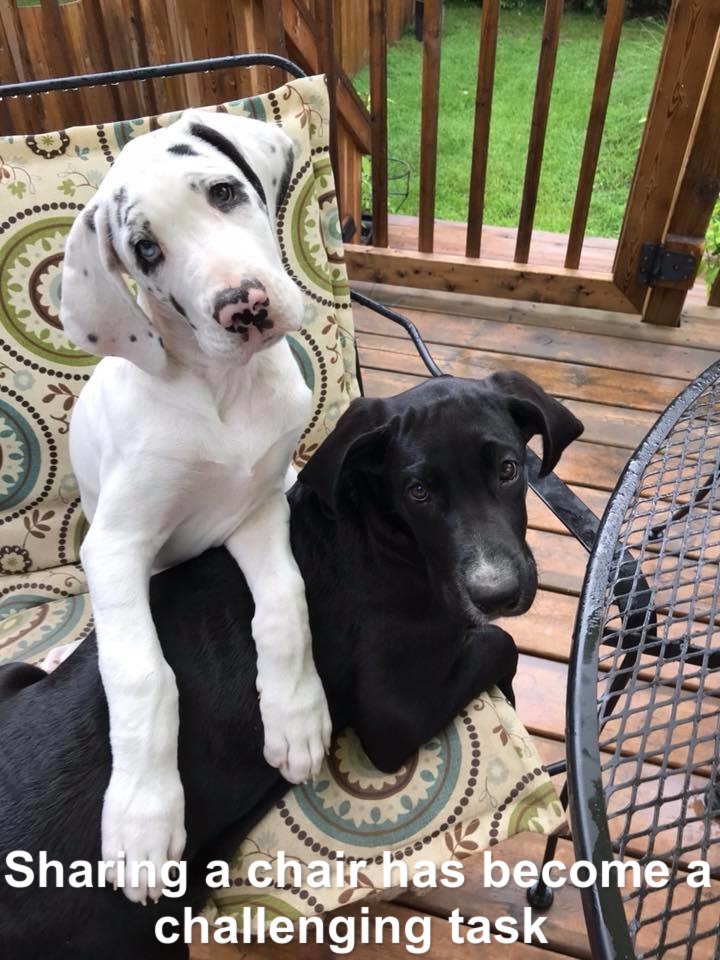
point(540, 896)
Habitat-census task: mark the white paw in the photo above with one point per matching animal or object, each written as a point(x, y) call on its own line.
point(144, 818)
point(297, 725)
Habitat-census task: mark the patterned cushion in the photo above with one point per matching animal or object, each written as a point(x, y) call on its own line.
point(480, 780)
point(473, 785)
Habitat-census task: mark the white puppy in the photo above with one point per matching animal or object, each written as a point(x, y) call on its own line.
point(182, 440)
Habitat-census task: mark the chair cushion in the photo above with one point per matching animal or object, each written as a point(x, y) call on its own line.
point(478, 781)
point(37, 616)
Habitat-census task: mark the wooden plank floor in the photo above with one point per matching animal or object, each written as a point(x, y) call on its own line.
point(617, 375)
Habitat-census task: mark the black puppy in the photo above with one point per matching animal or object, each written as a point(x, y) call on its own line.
point(409, 528)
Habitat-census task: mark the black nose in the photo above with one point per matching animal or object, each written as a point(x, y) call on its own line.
point(241, 307)
point(498, 597)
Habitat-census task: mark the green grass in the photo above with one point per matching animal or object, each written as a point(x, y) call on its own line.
point(516, 68)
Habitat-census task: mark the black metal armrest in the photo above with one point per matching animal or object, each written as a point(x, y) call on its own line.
point(153, 72)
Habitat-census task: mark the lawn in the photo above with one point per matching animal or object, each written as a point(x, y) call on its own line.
point(517, 57)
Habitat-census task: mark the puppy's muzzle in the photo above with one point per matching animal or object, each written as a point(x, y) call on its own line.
point(241, 308)
point(496, 598)
point(505, 587)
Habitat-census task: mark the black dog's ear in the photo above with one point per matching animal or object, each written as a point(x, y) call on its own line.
point(535, 411)
point(360, 432)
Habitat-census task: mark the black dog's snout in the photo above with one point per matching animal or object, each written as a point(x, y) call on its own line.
point(243, 307)
point(494, 585)
point(495, 598)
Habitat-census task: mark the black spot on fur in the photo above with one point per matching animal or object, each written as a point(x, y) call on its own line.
point(182, 150)
point(161, 343)
point(228, 149)
point(285, 179)
point(120, 198)
point(178, 306)
point(92, 337)
point(128, 210)
point(85, 273)
point(133, 338)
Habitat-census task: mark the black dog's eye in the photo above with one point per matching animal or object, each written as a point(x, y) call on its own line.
point(508, 471)
point(221, 194)
point(418, 491)
point(148, 251)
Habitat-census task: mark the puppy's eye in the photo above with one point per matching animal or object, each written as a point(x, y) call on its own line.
point(418, 492)
point(221, 194)
point(148, 251)
point(508, 471)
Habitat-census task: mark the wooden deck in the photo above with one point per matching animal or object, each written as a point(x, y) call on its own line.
point(616, 375)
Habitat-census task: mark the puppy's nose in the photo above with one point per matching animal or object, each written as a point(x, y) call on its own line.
point(493, 586)
point(239, 308)
point(497, 598)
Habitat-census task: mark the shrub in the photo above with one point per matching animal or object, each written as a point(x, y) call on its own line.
point(711, 263)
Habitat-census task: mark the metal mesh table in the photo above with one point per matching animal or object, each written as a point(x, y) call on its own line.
point(644, 690)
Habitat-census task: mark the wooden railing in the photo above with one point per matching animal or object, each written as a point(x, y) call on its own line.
point(596, 124)
point(674, 189)
point(481, 134)
point(669, 204)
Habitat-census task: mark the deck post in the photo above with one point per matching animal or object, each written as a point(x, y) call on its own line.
point(694, 200)
point(377, 11)
point(687, 53)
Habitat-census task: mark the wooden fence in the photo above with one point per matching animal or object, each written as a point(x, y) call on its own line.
point(669, 204)
point(47, 38)
point(350, 21)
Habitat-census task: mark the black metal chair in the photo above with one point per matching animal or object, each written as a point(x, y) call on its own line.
point(644, 690)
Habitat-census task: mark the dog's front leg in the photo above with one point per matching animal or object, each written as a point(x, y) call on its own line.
point(143, 811)
point(292, 701)
point(400, 708)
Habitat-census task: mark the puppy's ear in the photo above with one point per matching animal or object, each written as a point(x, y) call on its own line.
point(535, 411)
point(261, 151)
point(97, 310)
point(358, 440)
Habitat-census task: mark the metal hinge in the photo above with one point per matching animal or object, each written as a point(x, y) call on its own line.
point(658, 265)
